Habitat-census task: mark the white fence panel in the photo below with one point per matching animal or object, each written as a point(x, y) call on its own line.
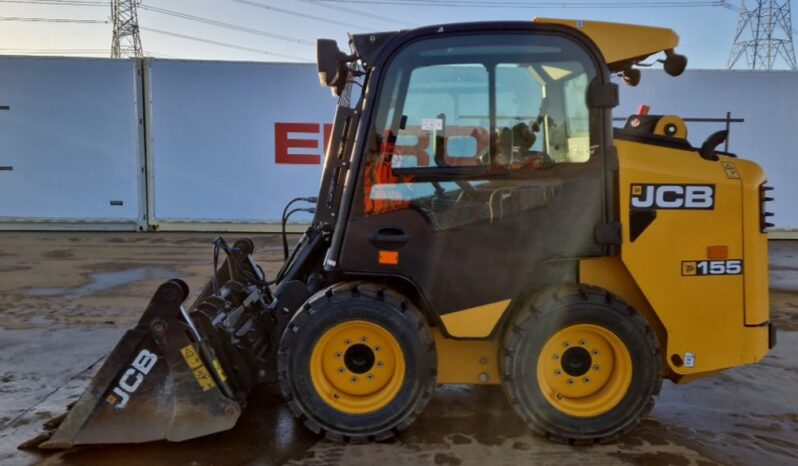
point(233, 142)
point(70, 142)
point(229, 143)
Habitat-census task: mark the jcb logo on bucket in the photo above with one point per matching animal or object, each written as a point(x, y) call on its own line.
point(132, 379)
point(673, 196)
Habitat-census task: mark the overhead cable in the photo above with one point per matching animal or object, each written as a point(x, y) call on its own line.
point(222, 44)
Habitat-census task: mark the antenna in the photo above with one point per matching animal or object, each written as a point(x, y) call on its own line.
point(126, 41)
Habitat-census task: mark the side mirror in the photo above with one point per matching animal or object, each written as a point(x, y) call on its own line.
point(674, 63)
point(631, 76)
point(331, 64)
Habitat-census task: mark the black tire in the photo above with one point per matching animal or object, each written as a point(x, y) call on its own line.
point(560, 308)
point(357, 302)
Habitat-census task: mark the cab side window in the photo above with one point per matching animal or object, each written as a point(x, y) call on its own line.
point(468, 129)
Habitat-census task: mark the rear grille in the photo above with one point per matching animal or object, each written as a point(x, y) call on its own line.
point(763, 213)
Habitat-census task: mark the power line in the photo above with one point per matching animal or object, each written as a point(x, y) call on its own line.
point(159, 54)
point(357, 12)
point(59, 3)
point(222, 44)
point(52, 20)
point(296, 13)
point(221, 24)
point(53, 51)
point(527, 5)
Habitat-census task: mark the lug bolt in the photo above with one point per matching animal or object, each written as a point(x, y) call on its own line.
point(376, 349)
point(582, 342)
point(370, 376)
point(565, 344)
point(596, 367)
point(231, 411)
point(570, 381)
point(353, 379)
point(158, 327)
point(338, 355)
point(347, 342)
point(557, 372)
point(363, 339)
point(379, 363)
point(586, 380)
point(594, 352)
point(341, 370)
point(556, 357)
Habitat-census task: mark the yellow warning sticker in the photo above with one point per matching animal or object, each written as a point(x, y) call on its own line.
point(731, 171)
point(202, 375)
point(218, 367)
point(204, 378)
point(191, 356)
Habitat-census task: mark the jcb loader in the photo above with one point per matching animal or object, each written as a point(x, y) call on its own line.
point(479, 221)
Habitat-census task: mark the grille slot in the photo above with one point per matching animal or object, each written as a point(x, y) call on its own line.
point(764, 198)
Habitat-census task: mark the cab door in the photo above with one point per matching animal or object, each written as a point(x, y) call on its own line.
point(482, 175)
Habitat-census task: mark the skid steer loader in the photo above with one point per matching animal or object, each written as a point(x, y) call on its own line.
point(479, 221)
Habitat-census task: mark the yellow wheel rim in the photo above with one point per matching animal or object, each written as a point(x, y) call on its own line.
point(584, 370)
point(357, 367)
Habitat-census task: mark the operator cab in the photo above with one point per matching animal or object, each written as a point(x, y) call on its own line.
point(491, 138)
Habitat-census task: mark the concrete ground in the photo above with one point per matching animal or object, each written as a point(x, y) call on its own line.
point(65, 299)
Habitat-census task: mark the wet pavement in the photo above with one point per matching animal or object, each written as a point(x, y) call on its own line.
point(66, 298)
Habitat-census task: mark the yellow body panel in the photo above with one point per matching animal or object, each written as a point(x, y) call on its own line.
point(610, 273)
point(703, 316)
point(475, 322)
point(621, 42)
point(757, 299)
point(467, 361)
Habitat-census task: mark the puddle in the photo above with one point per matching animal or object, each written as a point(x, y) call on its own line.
point(102, 281)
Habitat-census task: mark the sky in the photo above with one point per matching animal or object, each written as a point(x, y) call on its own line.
point(286, 30)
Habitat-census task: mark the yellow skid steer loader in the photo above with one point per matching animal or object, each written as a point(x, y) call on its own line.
point(479, 221)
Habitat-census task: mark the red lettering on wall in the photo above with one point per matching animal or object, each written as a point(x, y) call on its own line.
point(420, 150)
point(283, 142)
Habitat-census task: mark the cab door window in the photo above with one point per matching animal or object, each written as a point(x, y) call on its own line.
point(471, 129)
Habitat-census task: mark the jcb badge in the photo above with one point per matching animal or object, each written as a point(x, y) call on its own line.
point(673, 196)
point(131, 379)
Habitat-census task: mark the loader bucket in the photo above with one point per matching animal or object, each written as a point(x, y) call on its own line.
point(154, 385)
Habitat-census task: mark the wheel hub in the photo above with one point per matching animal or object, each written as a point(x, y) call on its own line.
point(359, 358)
point(576, 361)
point(357, 367)
point(584, 370)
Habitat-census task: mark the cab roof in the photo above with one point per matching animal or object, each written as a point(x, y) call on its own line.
point(621, 44)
